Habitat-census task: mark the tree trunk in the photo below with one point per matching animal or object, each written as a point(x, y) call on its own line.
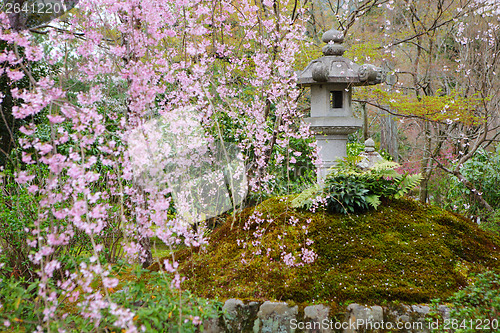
point(148, 255)
point(425, 165)
point(389, 135)
point(474, 193)
point(366, 133)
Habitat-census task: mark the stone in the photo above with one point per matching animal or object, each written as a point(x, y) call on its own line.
point(361, 315)
point(422, 310)
point(419, 312)
point(369, 145)
point(212, 326)
point(333, 35)
point(445, 311)
point(279, 317)
point(370, 74)
point(369, 157)
point(238, 316)
point(333, 50)
point(231, 305)
point(399, 313)
point(317, 315)
point(275, 317)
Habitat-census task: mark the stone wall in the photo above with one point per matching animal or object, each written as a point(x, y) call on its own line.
point(279, 317)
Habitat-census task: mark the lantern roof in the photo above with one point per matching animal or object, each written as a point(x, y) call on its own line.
point(334, 68)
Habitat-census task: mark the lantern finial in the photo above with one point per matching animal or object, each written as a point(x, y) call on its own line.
point(334, 40)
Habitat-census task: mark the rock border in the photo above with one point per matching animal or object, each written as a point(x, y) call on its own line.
point(280, 317)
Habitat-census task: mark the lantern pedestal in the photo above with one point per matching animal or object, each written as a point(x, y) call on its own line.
point(331, 136)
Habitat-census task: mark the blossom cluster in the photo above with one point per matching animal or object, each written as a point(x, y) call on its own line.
point(140, 61)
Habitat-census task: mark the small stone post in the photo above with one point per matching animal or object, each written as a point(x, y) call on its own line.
point(369, 157)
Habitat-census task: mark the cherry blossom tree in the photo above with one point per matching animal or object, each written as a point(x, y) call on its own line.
point(122, 68)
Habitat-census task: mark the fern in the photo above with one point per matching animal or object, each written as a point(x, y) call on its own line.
point(349, 189)
point(408, 183)
point(385, 167)
point(373, 200)
point(305, 198)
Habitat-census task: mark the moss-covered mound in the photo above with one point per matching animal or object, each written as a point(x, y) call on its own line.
point(403, 251)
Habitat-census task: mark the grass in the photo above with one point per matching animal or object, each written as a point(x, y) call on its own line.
point(159, 249)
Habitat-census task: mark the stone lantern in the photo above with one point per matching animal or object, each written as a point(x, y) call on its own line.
point(331, 79)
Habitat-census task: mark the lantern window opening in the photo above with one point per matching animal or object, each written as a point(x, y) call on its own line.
point(336, 99)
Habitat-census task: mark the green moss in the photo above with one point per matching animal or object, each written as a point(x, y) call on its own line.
point(404, 251)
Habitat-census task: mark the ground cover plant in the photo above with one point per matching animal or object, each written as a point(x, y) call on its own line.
point(402, 251)
point(473, 308)
point(151, 301)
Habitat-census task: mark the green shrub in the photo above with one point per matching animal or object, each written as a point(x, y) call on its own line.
point(18, 307)
point(154, 304)
point(492, 223)
point(474, 308)
point(354, 148)
point(349, 189)
point(346, 194)
point(159, 307)
point(483, 171)
point(18, 211)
